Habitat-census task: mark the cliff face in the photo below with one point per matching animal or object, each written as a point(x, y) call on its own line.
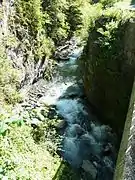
point(16, 53)
point(109, 67)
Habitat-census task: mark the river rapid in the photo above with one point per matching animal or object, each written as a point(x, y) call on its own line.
point(88, 145)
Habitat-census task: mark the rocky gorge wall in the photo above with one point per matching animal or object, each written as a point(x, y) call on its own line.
point(108, 75)
point(109, 66)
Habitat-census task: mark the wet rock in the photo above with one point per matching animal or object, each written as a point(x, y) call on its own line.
point(79, 130)
point(64, 52)
point(39, 95)
point(77, 52)
point(75, 130)
point(44, 112)
point(95, 163)
point(95, 1)
point(40, 116)
point(35, 122)
point(52, 113)
point(106, 169)
point(73, 92)
point(26, 105)
point(89, 168)
point(108, 149)
point(104, 174)
point(108, 163)
point(64, 55)
point(71, 152)
point(61, 124)
point(90, 145)
point(98, 132)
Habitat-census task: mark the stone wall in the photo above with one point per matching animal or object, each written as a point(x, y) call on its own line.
point(125, 168)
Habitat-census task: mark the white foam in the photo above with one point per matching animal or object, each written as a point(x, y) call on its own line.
point(54, 92)
point(70, 109)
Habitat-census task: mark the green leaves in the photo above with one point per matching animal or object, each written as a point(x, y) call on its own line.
point(58, 19)
point(8, 81)
point(74, 18)
point(5, 124)
point(107, 3)
point(3, 128)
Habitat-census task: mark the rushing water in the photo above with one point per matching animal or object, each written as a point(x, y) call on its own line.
point(87, 144)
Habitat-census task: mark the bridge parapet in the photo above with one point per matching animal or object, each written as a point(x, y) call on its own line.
point(125, 168)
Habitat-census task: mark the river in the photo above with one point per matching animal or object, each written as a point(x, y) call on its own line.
point(87, 145)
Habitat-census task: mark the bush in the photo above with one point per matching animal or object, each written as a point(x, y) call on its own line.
point(107, 3)
point(8, 79)
point(22, 158)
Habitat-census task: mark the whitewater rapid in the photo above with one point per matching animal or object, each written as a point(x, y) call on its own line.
point(87, 144)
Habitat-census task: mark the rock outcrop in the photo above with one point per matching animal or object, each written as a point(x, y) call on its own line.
point(109, 68)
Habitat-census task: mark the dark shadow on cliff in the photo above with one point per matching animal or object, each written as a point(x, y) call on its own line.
point(65, 172)
point(132, 2)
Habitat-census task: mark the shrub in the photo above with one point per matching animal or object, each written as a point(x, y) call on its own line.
point(8, 79)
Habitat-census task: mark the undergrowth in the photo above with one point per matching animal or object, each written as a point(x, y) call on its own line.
point(28, 151)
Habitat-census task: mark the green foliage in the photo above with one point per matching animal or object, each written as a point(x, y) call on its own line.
point(28, 152)
point(109, 28)
point(8, 81)
point(45, 131)
point(74, 17)
point(22, 158)
point(6, 121)
point(29, 21)
point(39, 26)
point(108, 3)
point(29, 15)
point(3, 128)
point(48, 20)
point(89, 14)
point(55, 19)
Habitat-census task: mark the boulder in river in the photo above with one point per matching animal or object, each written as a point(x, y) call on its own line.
point(64, 52)
point(35, 122)
point(75, 130)
point(74, 91)
point(89, 168)
point(61, 124)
